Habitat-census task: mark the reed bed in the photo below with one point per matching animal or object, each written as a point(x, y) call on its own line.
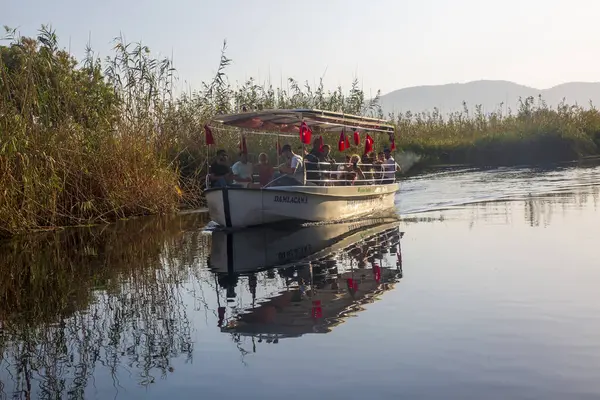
point(534, 133)
point(96, 140)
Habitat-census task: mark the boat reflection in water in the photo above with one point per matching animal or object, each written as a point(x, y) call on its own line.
point(318, 275)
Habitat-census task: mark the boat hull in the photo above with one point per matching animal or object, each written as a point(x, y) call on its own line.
point(242, 207)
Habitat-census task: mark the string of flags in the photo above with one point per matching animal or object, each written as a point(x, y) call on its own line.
point(305, 133)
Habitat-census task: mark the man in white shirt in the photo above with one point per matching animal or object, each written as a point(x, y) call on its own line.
point(242, 171)
point(295, 169)
point(389, 167)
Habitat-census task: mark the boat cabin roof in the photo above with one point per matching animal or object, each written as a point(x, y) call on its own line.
point(289, 121)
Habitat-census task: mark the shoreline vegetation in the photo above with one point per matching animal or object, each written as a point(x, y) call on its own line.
point(96, 140)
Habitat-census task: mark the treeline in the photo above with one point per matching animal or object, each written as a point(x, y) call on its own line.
point(86, 141)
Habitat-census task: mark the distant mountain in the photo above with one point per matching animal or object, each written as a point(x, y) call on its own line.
point(490, 94)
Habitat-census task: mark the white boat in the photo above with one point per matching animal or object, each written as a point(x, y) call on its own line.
point(322, 200)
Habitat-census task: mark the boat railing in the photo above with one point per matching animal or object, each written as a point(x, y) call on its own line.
point(338, 173)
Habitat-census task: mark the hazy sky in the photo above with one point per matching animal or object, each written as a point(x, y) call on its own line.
point(386, 44)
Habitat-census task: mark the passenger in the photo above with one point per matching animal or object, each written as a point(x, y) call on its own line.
point(328, 164)
point(389, 166)
point(312, 162)
point(354, 172)
point(379, 167)
point(326, 155)
point(367, 167)
point(220, 172)
point(242, 171)
point(293, 171)
point(303, 151)
point(343, 175)
point(265, 170)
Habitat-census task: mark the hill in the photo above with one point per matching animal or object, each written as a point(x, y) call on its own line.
point(490, 94)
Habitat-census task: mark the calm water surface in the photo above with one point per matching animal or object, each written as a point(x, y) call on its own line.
point(486, 289)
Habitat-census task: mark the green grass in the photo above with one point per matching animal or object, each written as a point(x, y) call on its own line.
point(533, 134)
point(89, 141)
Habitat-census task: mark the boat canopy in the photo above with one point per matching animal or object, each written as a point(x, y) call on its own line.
point(289, 121)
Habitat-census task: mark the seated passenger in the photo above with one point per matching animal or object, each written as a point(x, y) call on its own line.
point(389, 166)
point(354, 172)
point(379, 167)
point(293, 170)
point(220, 172)
point(265, 170)
point(343, 176)
point(327, 164)
point(242, 171)
point(312, 162)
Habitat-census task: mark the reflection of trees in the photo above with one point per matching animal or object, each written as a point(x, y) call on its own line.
point(538, 210)
point(82, 299)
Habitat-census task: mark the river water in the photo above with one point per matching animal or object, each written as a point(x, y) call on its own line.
point(487, 288)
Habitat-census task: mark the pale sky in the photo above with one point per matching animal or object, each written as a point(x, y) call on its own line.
point(386, 44)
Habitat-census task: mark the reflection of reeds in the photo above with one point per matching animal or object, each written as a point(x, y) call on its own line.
point(74, 300)
point(537, 209)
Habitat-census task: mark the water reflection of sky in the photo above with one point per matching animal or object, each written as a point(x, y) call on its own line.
point(496, 300)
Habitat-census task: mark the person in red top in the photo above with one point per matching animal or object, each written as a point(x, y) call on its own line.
point(265, 170)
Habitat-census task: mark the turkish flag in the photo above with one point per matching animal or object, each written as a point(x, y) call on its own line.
point(377, 273)
point(305, 133)
point(356, 138)
point(347, 141)
point(321, 143)
point(317, 310)
point(393, 145)
point(243, 146)
point(208, 135)
point(342, 142)
point(368, 144)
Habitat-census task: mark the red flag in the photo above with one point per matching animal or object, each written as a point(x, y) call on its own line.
point(317, 310)
point(342, 142)
point(243, 146)
point(356, 138)
point(208, 135)
point(393, 145)
point(321, 143)
point(347, 142)
point(350, 283)
point(305, 133)
point(368, 144)
point(377, 272)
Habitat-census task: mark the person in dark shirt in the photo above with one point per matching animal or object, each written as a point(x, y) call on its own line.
point(327, 164)
point(312, 164)
point(220, 172)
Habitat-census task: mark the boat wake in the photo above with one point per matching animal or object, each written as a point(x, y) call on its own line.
point(448, 190)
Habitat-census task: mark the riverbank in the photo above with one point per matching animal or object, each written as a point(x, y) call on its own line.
point(533, 134)
point(89, 141)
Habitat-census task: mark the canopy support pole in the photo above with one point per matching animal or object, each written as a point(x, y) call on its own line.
point(277, 149)
point(304, 164)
